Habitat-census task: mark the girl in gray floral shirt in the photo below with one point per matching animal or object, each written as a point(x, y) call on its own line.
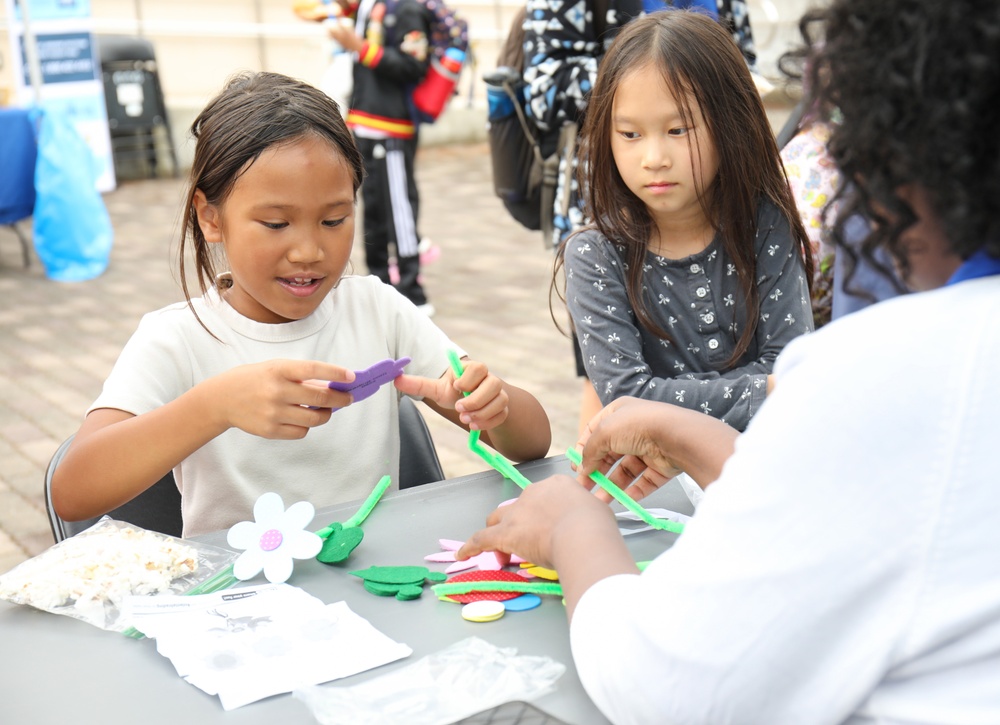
point(695, 273)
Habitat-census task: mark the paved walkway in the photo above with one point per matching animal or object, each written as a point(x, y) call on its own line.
point(58, 341)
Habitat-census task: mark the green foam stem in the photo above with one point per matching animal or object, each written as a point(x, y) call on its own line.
point(449, 588)
point(621, 497)
point(366, 508)
point(369, 504)
point(496, 461)
point(325, 532)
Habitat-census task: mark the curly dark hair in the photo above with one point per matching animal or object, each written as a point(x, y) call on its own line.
point(916, 87)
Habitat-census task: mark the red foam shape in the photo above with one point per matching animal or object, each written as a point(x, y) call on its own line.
point(485, 576)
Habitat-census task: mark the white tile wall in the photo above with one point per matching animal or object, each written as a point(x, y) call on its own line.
point(199, 43)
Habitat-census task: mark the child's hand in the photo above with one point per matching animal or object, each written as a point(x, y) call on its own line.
point(280, 399)
point(486, 406)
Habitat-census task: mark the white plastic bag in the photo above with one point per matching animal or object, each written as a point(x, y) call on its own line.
point(470, 676)
point(87, 576)
point(694, 492)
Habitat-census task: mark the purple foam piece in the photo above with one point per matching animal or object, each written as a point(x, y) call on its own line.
point(367, 381)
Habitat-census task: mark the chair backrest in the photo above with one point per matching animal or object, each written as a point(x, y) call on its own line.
point(158, 508)
point(418, 458)
point(792, 125)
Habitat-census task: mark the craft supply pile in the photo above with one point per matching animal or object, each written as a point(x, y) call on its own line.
point(243, 643)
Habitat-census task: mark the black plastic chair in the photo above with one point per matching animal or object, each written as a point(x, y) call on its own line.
point(418, 458)
point(792, 125)
point(137, 113)
point(158, 508)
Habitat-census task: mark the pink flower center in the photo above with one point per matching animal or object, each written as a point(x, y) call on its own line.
point(270, 540)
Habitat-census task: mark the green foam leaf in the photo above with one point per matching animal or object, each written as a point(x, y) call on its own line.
point(339, 545)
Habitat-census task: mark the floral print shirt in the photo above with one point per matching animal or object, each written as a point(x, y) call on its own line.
point(697, 300)
point(814, 180)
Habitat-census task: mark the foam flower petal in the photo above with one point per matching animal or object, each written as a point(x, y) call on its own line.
point(487, 561)
point(248, 564)
point(243, 535)
point(277, 569)
point(303, 544)
point(268, 508)
point(273, 539)
point(299, 515)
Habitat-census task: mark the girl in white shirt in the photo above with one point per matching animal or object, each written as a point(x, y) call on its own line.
point(229, 389)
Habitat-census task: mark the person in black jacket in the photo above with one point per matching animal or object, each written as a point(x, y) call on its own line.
point(392, 51)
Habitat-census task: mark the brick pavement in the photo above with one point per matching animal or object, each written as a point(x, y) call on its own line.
point(58, 341)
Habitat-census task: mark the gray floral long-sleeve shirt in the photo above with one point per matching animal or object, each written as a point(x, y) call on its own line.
point(697, 300)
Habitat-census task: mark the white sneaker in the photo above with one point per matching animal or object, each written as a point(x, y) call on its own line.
point(427, 308)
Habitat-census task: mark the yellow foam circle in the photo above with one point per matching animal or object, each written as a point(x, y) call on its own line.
point(483, 611)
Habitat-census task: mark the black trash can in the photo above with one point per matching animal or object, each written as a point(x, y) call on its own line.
point(140, 132)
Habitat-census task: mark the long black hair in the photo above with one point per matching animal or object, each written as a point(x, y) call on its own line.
point(700, 64)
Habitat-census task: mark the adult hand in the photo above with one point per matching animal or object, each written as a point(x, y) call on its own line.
point(526, 527)
point(626, 432)
point(654, 442)
point(557, 524)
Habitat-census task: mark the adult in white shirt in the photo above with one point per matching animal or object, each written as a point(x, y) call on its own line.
point(843, 565)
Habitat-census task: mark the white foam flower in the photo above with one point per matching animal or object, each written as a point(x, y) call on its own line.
point(273, 539)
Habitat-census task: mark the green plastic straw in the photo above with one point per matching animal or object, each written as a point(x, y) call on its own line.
point(449, 588)
point(620, 496)
point(223, 579)
point(542, 588)
point(495, 460)
point(366, 508)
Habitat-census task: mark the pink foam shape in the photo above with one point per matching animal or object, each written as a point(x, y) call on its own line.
point(487, 561)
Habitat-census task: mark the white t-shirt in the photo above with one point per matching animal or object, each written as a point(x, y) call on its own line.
point(361, 322)
point(845, 567)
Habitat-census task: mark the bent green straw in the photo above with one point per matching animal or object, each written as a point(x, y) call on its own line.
point(527, 587)
point(496, 461)
point(621, 497)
